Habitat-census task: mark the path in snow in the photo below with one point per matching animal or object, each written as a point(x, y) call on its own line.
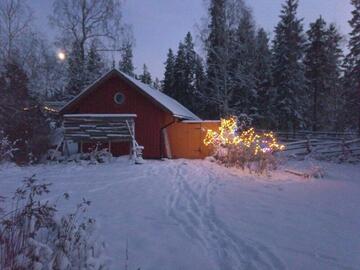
point(191, 206)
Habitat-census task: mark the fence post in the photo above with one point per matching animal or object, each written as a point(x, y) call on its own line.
point(308, 144)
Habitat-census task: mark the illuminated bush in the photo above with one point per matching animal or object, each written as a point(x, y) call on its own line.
point(246, 148)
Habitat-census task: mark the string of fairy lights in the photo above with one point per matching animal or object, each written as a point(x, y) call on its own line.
point(228, 134)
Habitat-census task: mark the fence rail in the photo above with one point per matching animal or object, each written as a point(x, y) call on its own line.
point(321, 144)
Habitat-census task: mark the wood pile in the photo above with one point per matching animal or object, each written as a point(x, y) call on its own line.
point(99, 127)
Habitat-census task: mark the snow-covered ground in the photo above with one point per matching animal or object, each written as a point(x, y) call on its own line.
point(182, 214)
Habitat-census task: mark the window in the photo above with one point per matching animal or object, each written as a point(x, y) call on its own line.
point(119, 98)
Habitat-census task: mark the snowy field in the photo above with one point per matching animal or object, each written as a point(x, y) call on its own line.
point(182, 214)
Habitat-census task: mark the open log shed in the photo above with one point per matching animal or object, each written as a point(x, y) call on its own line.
point(99, 128)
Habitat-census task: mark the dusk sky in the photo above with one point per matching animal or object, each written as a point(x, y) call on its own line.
point(161, 24)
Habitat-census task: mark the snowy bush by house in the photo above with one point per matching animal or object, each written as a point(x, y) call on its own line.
point(32, 236)
point(7, 148)
point(95, 155)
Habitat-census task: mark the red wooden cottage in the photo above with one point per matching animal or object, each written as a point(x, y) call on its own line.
point(163, 126)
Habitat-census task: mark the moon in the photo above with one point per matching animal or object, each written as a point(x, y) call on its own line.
point(61, 55)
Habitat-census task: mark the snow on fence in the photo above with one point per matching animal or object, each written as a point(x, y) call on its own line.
point(322, 144)
point(302, 135)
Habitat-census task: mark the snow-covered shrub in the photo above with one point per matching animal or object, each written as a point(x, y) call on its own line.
point(7, 148)
point(243, 148)
point(244, 122)
point(95, 154)
point(32, 236)
point(317, 172)
point(100, 156)
point(245, 158)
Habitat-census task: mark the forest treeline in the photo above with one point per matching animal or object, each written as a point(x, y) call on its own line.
point(301, 79)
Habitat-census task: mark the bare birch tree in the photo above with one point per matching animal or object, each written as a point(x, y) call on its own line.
point(15, 26)
point(82, 21)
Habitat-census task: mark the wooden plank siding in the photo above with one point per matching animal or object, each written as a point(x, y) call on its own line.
point(186, 139)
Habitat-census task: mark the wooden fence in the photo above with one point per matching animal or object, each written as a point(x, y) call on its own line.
point(321, 144)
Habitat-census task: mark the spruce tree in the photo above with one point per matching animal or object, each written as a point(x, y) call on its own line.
point(190, 58)
point(352, 65)
point(199, 105)
point(288, 70)
point(316, 72)
point(263, 74)
point(126, 61)
point(217, 37)
point(145, 77)
point(94, 64)
point(218, 45)
point(335, 101)
point(169, 76)
point(200, 76)
point(180, 83)
point(20, 116)
point(244, 77)
point(225, 74)
point(76, 72)
point(156, 84)
point(185, 73)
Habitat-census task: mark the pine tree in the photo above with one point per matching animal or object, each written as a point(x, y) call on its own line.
point(126, 61)
point(352, 65)
point(316, 72)
point(94, 64)
point(263, 74)
point(288, 70)
point(169, 76)
point(145, 77)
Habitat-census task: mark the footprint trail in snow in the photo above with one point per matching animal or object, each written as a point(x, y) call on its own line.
point(191, 206)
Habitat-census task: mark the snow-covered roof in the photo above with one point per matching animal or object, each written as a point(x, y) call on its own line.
point(170, 104)
point(97, 115)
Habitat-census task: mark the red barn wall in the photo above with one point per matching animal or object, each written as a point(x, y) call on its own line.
point(150, 117)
